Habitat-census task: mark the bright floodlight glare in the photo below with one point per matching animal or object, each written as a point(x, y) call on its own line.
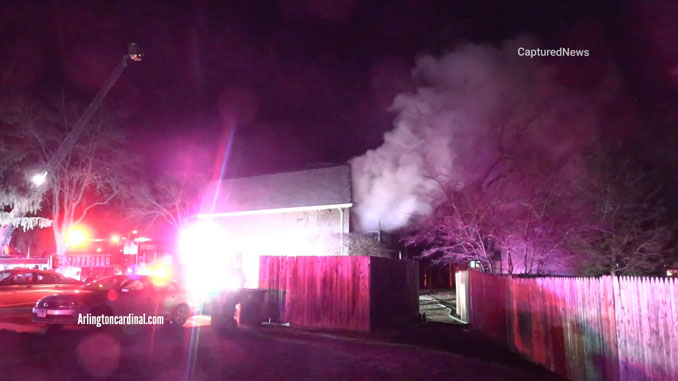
point(39, 178)
point(160, 273)
point(205, 254)
point(115, 238)
point(76, 236)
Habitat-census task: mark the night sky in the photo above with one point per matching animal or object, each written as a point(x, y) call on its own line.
point(304, 82)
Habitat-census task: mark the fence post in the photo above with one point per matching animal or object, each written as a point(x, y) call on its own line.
point(461, 290)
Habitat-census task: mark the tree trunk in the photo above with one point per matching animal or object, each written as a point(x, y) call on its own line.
point(510, 263)
point(525, 261)
point(6, 234)
point(613, 265)
point(60, 242)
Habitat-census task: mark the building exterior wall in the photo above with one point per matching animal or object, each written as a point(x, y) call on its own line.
point(298, 233)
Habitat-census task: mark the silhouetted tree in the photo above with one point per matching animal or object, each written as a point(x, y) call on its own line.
point(94, 172)
point(623, 229)
point(173, 198)
point(19, 199)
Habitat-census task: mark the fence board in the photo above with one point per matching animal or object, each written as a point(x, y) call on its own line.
point(461, 291)
point(608, 328)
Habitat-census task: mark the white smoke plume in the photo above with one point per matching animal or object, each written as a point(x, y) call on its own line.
point(449, 128)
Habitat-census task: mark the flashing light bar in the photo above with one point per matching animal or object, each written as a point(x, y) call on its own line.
point(278, 210)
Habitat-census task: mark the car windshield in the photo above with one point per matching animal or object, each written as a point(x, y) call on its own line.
point(67, 280)
point(106, 283)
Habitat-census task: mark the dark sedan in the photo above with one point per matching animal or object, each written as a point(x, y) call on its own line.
point(21, 288)
point(116, 296)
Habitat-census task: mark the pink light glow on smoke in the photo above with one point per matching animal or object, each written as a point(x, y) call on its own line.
point(448, 128)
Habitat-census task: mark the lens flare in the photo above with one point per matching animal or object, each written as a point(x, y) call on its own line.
point(39, 178)
point(76, 236)
point(161, 274)
point(206, 255)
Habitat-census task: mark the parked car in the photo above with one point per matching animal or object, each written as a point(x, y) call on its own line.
point(118, 295)
point(23, 287)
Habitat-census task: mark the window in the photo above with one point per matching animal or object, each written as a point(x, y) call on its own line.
point(133, 285)
point(43, 278)
point(105, 283)
point(21, 278)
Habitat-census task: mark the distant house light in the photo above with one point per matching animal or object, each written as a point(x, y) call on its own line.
point(278, 210)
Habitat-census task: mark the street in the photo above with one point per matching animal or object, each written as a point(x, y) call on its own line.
point(268, 352)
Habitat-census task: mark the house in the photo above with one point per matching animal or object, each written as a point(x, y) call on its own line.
point(325, 276)
point(300, 213)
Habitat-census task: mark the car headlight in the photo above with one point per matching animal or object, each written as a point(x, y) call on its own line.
point(68, 305)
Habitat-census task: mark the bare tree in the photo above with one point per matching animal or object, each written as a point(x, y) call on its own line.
point(535, 222)
point(93, 171)
point(515, 226)
point(19, 200)
point(624, 229)
point(462, 228)
point(504, 216)
point(172, 198)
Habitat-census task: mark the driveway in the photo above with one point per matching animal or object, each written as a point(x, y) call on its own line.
point(272, 352)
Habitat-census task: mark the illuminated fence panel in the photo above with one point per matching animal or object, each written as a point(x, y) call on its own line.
point(342, 292)
point(608, 328)
point(647, 327)
point(487, 306)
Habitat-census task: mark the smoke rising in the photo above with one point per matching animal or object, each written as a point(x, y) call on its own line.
point(471, 107)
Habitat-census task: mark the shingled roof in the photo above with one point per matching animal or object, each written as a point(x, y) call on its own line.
point(307, 188)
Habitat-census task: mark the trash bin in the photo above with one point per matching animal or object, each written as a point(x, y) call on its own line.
point(251, 307)
point(258, 306)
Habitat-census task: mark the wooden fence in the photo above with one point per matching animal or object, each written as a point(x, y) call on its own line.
point(461, 292)
point(608, 328)
point(343, 292)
